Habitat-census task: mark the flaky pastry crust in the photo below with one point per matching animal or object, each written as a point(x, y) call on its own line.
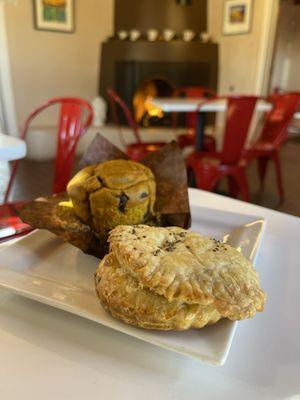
point(189, 268)
point(170, 278)
point(127, 300)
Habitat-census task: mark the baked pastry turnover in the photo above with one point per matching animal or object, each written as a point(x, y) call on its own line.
point(170, 278)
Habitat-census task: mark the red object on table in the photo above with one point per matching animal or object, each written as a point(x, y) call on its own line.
point(210, 167)
point(188, 139)
point(135, 151)
point(274, 134)
point(75, 117)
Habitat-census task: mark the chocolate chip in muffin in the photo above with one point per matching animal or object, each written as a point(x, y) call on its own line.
point(100, 181)
point(122, 202)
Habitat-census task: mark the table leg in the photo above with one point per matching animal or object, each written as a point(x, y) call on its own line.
point(200, 125)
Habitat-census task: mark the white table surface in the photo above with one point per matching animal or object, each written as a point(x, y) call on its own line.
point(50, 354)
point(296, 115)
point(11, 148)
point(177, 104)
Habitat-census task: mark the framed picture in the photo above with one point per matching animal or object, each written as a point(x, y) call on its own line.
point(237, 17)
point(54, 15)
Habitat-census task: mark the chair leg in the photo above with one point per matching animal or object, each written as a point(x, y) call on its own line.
point(191, 178)
point(11, 180)
point(242, 182)
point(276, 159)
point(233, 187)
point(205, 181)
point(262, 164)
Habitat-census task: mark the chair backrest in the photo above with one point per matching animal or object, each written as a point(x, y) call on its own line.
point(275, 129)
point(192, 91)
point(238, 118)
point(116, 103)
point(75, 116)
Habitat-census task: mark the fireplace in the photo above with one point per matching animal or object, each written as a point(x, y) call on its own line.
point(125, 66)
point(133, 68)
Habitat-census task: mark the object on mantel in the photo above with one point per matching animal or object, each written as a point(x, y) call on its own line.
point(188, 35)
point(152, 35)
point(122, 35)
point(204, 37)
point(167, 35)
point(134, 35)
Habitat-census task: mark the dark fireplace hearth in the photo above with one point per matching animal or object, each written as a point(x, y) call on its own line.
point(126, 66)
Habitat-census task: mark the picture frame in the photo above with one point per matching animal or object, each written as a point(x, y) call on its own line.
point(54, 15)
point(237, 17)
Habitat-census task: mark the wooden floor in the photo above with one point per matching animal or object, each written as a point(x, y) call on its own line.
point(34, 179)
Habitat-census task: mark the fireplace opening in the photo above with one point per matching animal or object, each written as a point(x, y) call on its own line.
point(145, 113)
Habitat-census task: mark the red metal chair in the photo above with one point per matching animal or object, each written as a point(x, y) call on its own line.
point(75, 117)
point(210, 167)
point(135, 151)
point(188, 138)
point(274, 134)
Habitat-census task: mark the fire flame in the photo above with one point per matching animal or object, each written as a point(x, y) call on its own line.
point(151, 109)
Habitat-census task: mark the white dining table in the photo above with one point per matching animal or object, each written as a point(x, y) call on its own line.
point(177, 104)
point(47, 353)
point(11, 148)
point(193, 104)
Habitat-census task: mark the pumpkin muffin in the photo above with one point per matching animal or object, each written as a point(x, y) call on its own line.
point(112, 193)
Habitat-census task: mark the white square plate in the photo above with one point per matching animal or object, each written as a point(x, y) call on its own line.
point(43, 268)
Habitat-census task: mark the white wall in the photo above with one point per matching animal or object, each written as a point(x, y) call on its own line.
point(244, 59)
point(48, 64)
point(8, 123)
point(287, 52)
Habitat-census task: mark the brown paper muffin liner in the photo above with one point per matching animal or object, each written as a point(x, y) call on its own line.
point(171, 206)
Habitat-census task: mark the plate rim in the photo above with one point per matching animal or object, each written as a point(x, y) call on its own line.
point(217, 361)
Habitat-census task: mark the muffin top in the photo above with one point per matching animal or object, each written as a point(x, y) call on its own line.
point(113, 193)
point(121, 174)
point(113, 174)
